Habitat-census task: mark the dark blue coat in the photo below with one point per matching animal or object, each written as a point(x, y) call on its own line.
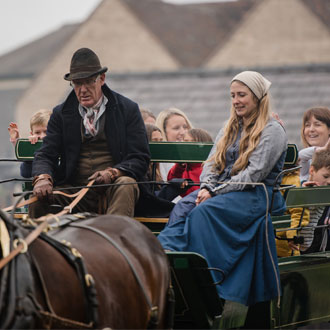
point(26, 169)
point(124, 130)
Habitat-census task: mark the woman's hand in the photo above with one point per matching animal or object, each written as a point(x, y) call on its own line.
point(326, 147)
point(202, 196)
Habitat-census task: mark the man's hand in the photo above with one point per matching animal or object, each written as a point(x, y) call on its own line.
point(42, 186)
point(202, 196)
point(106, 176)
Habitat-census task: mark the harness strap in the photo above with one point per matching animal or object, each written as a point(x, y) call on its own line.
point(42, 283)
point(153, 309)
point(75, 259)
point(55, 192)
point(82, 193)
point(29, 239)
point(53, 321)
point(26, 202)
point(23, 244)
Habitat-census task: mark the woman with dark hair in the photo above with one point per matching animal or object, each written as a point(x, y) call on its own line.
point(315, 132)
point(154, 134)
point(230, 225)
point(147, 116)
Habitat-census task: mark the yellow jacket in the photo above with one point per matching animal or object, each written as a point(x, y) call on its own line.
point(282, 246)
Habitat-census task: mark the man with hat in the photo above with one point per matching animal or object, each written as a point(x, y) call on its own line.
point(95, 133)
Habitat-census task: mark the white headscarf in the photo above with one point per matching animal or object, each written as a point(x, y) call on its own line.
point(258, 84)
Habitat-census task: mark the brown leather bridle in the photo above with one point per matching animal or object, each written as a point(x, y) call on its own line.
point(22, 244)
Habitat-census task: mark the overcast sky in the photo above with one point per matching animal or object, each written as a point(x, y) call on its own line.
point(22, 21)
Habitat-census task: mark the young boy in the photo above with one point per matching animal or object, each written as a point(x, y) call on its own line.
point(38, 126)
point(285, 245)
point(319, 175)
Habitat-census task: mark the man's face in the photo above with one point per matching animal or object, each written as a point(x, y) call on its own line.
point(89, 90)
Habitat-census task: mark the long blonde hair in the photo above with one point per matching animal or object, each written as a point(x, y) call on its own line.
point(250, 136)
point(165, 115)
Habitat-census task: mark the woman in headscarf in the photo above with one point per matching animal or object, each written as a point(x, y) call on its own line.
point(230, 225)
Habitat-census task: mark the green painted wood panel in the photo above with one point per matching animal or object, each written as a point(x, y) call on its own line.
point(308, 196)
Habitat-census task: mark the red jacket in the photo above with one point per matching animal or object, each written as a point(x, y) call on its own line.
point(186, 171)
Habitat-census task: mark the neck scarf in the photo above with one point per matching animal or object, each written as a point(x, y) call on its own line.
point(92, 115)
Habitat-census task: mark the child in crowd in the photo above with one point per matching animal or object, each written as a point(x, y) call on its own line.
point(177, 186)
point(315, 239)
point(147, 116)
point(285, 245)
point(159, 197)
point(154, 134)
point(190, 171)
point(38, 126)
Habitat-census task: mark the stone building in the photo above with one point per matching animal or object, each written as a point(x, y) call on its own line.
point(162, 55)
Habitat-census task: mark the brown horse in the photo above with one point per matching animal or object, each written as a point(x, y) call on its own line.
point(121, 256)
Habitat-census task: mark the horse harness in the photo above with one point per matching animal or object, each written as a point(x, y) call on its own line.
point(49, 318)
point(72, 221)
point(21, 305)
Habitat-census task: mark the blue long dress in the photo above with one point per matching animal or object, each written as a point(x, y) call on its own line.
point(229, 229)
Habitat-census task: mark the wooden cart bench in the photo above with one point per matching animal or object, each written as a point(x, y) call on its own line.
point(166, 152)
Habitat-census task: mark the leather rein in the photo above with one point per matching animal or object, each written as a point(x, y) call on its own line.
point(22, 244)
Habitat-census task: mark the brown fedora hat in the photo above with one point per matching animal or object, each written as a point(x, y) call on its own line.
point(84, 64)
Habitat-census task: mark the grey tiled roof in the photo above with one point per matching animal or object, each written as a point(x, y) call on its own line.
point(193, 31)
point(25, 62)
point(321, 9)
point(204, 95)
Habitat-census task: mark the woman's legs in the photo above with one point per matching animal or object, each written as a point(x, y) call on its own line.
point(183, 208)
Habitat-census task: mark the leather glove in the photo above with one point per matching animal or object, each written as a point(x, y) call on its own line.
point(181, 184)
point(106, 176)
point(42, 186)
